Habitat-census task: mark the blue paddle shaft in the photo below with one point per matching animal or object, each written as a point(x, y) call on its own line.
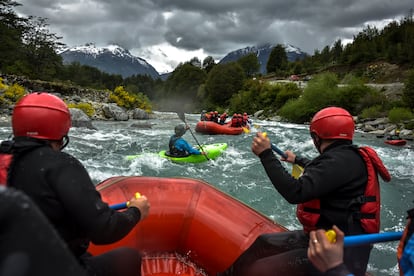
point(119, 206)
point(278, 151)
point(356, 240)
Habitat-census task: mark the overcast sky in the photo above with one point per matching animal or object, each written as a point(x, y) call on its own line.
point(167, 32)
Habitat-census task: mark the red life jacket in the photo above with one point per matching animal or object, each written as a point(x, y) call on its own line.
point(5, 160)
point(308, 213)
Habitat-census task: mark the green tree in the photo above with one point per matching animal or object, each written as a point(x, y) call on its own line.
point(223, 81)
point(278, 60)
point(250, 64)
point(11, 32)
point(208, 63)
point(40, 48)
point(182, 86)
point(408, 92)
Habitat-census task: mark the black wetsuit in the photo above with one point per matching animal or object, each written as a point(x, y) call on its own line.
point(61, 187)
point(336, 177)
point(29, 243)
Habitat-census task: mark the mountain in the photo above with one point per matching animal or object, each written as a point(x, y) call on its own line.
point(263, 53)
point(112, 59)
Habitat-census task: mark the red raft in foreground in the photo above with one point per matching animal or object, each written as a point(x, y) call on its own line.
point(193, 228)
point(209, 127)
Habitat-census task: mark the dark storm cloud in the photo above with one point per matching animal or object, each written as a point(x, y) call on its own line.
point(216, 26)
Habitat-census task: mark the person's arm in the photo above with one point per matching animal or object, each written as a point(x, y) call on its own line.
point(84, 206)
point(184, 145)
point(327, 256)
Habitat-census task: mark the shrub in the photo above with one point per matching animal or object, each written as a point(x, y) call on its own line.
point(371, 112)
point(399, 114)
point(12, 94)
point(87, 108)
point(124, 99)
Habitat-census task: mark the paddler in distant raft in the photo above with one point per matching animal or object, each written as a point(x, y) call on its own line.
point(178, 146)
point(339, 187)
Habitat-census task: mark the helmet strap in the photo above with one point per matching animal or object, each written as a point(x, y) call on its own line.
point(316, 141)
point(65, 142)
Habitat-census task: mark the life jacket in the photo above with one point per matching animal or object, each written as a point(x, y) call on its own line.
point(5, 160)
point(245, 119)
point(405, 246)
point(234, 121)
point(173, 151)
point(308, 213)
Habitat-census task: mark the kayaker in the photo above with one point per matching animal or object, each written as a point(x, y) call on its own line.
point(60, 185)
point(178, 146)
point(395, 136)
point(339, 187)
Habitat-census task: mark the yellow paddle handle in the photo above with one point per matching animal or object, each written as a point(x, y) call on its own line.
point(331, 235)
point(137, 195)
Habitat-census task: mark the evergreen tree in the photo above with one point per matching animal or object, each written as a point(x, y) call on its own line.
point(223, 81)
point(11, 32)
point(278, 60)
point(208, 63)
point(250, 64)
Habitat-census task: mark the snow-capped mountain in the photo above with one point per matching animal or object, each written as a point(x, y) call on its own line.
point(112, 59)
point(263, 53)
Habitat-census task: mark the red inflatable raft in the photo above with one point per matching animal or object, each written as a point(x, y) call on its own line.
point(209, 127)
point(396, 142)
point(193, 228)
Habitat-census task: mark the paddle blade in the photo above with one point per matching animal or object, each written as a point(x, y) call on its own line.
point(181, 116)
point(246, 130)
point(296, 171)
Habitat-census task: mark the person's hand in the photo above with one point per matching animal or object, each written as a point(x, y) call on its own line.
point(323, 254)
point(142, 204)
point(260, 143)
point(290, 157)
point(204, 153)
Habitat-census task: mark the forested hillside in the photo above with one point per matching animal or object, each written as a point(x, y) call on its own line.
point(29, 49)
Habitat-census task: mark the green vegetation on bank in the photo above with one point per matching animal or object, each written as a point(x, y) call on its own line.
point(339, 73)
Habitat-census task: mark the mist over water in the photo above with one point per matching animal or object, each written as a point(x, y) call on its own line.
point(238, 171)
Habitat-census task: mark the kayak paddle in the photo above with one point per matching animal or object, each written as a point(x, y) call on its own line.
point(182, 117)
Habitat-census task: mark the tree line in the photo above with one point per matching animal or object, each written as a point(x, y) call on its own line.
point(29, 49)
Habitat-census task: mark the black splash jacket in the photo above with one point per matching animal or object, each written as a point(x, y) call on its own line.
point(335, 177)
point(60, 185)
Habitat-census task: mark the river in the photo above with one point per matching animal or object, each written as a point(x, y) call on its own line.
point(238, 171)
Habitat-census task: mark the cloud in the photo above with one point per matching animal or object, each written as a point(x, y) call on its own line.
point(168, 32)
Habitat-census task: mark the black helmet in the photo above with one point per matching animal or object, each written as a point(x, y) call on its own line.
point(179, 130)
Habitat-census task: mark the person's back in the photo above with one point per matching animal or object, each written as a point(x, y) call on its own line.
point(61, 187)
point(178, 147)
point(30, 245)
point(335, 187)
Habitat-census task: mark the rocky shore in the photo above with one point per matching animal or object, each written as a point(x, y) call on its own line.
point(104, 110)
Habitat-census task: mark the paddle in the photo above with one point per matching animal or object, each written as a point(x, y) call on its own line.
point(296, 169)
point(123, 205)
point(182, 117)
point(356, 240)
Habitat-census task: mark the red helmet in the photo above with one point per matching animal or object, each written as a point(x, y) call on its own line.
point(333, 123)
point(41, 115)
